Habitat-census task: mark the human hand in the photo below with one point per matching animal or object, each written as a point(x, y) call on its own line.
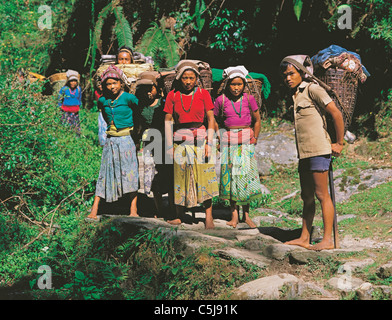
point(336, 149)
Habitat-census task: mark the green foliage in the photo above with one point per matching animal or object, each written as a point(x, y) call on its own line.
point(159, 42)
point(200, 7)
point(231, 32)
point(103, 14)
point(122, 28)
point(22, 43)
point(297, 5)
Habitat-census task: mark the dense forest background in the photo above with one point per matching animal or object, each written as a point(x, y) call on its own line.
point(48, 176)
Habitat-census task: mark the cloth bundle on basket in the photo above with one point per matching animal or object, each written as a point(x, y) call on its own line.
point(341, 70)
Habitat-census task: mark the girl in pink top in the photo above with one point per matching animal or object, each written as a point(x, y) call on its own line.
point(235, 111)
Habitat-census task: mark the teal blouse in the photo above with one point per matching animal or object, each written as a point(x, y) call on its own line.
point(120, 111)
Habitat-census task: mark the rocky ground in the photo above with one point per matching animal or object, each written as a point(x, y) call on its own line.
point(292, 272)
point(288, 268)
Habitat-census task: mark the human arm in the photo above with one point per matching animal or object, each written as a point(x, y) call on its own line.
point(169, 134)
point(210, 131)
point(255, 113)
point(60, 97)
point(337, 118)
point(257, 126)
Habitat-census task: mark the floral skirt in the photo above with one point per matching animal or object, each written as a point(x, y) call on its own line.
point(71, 119)
point(239, 180)
point(119, 169)
point(195, 180)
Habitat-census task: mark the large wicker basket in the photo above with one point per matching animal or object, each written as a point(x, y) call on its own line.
point(345, 86)
point(254, 87)
point(57, 77)
point(205, 81)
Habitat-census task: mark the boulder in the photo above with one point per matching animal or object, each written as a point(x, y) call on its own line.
point(385, 271)
point(267, 288)
point(274, 149)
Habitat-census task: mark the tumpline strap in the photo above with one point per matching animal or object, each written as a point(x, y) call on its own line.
point(321, 83)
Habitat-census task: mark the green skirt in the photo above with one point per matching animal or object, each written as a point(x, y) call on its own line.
point(239, 180)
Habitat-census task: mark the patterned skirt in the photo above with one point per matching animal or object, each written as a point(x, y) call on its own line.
point(239, 181)
point(195, 180)
point(71, 119)
point(102, 127)
point(119, 169)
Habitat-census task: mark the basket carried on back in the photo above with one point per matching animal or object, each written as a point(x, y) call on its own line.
point(345, 85)
point(205, 80)
point(131, 73)
point(253, 87)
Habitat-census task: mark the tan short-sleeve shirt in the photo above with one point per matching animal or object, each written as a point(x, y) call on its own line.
point(312, 138)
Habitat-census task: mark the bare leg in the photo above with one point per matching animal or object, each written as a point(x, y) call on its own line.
point(209, 220)
point(94, 209)
point(327, 208)
point(133, 210)
point(248, 220)
point(307, 194)
point(234, 215)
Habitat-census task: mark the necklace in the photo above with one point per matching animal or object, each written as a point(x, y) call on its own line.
point(182, 104)
point(238, 113)
point(113, 103)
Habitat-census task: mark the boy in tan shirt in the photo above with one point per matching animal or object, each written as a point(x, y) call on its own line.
point(311, 102)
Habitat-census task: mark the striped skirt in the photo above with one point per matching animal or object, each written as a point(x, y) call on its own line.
point(119, 169)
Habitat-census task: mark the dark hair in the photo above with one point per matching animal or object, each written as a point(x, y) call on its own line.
point(142, 91)
point(283, 67)
point(125, 49)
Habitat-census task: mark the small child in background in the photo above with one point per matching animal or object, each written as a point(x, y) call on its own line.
point(70, 100)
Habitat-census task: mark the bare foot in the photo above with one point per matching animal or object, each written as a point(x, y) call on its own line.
point(232, 223)
point(92, 216)
point(134, 215)
point(174, 221)
point(323, 245)
point(299, 242)
point(250, 223)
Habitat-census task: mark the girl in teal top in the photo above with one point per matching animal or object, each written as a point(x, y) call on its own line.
point(118, 175)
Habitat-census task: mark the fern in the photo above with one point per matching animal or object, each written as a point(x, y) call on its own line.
point(104, 13)
point(122, 29)
point(160, 43)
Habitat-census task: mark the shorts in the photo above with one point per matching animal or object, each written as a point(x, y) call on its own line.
point(318, 163)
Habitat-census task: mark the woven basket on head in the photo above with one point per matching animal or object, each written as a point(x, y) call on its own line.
point(57, 77)
point(345, 86)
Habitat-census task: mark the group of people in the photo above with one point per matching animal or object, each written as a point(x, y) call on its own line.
point(190, 123)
